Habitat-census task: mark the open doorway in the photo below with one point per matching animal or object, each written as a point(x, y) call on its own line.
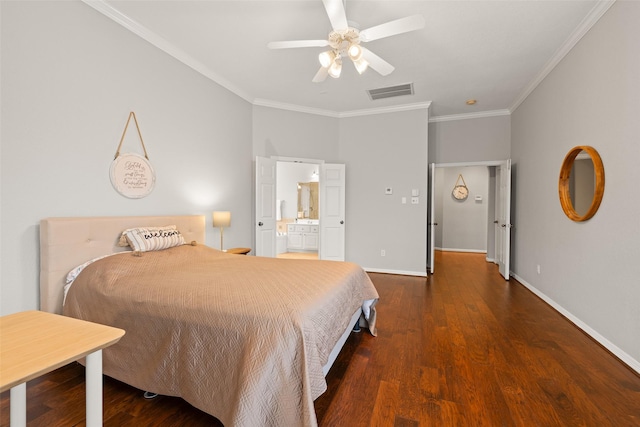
point(297, 210)
point(478, 221)
point(331, 207)
point(462, 224)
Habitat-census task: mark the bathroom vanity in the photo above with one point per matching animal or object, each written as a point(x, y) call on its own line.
point(302, 237)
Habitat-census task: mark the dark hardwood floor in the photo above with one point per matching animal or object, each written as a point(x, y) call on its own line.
point(462, 348)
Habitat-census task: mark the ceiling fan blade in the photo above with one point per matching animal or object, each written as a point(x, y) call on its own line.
point(391, 28)
point(337, 15)
point(321, 75)
point(377, 63)
point(297, 43)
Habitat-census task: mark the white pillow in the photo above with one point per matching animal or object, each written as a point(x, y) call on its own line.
point(146, 239)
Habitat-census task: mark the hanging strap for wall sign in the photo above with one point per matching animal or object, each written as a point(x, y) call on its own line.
point(124, 133)
point(460, 177)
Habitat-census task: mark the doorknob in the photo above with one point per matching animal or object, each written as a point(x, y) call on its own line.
point(495, 222)
point(341, 222)
point(260, 224)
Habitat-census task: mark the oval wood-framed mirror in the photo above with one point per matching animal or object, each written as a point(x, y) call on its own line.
point(566, 187)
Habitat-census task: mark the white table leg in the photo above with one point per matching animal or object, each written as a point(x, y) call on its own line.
point(94, 389)
point(18, 406)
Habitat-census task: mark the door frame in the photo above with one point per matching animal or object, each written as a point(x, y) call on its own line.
point(277, 159)
point(432, 187)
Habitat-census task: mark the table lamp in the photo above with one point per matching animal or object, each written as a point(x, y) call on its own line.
point(221, 219)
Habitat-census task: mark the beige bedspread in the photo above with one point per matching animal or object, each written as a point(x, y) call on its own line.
point(242, 338)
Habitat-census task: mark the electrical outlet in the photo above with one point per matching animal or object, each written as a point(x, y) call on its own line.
point(538, 268)
point(388, 190)
point(383, 252)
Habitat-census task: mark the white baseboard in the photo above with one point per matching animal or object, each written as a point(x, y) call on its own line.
point(472, 251)
point(619, 353)
point(400, 272)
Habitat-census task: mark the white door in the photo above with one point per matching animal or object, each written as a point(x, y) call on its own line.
point(265, 207)
point(332, 212)
point(432, 219)
point(503, 210)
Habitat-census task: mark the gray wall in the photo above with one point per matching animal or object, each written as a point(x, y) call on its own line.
point(386, 150)
point(467, 141)
point(286, 133)
point(470, 140)
point(589, 270)
point(379, 150)
point(70, 77)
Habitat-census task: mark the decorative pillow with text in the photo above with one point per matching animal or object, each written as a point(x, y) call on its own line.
point(146, 239)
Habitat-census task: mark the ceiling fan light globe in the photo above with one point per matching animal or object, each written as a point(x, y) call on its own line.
point(361, 65)
point(335, 69)
point(326, 58)
point(355, 52)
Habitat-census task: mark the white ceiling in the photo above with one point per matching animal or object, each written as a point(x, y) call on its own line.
point(492, 51)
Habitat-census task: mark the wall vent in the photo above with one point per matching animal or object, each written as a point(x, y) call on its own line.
point(391, 91)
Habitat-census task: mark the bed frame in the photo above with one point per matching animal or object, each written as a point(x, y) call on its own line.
point(66, 243)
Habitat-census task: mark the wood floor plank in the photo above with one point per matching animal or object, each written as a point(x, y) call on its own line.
point(462, 348)
point(348, 404)
point(386, 404)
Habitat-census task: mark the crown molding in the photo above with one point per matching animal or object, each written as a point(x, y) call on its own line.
point(589, 21)
point(101, 6)
point(343, 114)
point(382, 110)
point(292, 107)
point(162, 44)
point(478, 115)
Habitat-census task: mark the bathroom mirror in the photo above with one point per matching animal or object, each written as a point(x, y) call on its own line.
point(581, 183)
point(308, 200)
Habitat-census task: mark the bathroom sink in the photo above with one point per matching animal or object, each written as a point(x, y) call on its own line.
point(308, 221)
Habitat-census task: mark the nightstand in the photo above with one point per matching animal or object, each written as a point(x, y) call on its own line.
point(239, 251)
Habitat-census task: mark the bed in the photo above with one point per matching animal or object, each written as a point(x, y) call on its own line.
point(250, 344)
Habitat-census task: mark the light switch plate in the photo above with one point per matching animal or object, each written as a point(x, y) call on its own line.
point(415, 192)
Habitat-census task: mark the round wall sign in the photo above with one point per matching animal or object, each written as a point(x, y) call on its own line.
point(132, 175)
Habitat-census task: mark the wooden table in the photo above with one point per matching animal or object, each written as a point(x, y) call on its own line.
point(33, 343)
point(239, 251)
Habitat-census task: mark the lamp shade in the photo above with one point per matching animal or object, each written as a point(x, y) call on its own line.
point(326, 58)
point(221, 218)
point(336, 68)
point(354, 52)
point(361, 65)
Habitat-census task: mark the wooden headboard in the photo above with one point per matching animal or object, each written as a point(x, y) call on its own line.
point(65, 243)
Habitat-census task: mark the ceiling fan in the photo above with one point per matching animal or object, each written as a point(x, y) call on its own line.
point(345, 40)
